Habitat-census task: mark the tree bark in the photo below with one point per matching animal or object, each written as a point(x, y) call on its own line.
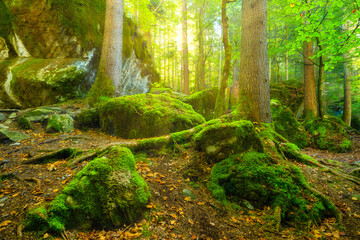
point(347, 94)
point(111, 52)
point(254, 94)
point(220, 104)
point(185, 51)
point(310, 101)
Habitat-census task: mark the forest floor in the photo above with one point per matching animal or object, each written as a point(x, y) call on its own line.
point(172, 214)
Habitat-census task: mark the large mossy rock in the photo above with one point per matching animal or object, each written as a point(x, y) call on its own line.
point(218, 140)
point(286, 124)
point(108, 192)
point(60, 123)
point(37, 82)
point(146, 115)
point(329, 134)
point(289, 93)
point(252, 177)
point(6, 135)
point(62, 40)
point(203, 102)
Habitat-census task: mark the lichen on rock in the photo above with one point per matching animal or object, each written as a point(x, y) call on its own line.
point(108, 192)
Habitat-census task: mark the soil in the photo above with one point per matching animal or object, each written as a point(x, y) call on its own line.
point(173, 212)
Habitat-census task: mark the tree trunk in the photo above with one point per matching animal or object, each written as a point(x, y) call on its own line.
point(185, 51)
point(220, 104)
point(321, 84)
point(287, 57)
point(111, 52)
point(347, 94)
point(310, 101)
point(254, 94)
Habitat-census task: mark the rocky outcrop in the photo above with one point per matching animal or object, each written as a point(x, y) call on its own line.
point(52, 48)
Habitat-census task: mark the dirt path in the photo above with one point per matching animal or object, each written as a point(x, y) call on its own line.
point(180, 207)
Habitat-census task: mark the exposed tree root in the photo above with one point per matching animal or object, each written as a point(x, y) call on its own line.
point(37, 181)
point(19, 230)
point(277, 216)
point(59, 154)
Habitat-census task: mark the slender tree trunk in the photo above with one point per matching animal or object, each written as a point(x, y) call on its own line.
point(254, 94)
point(220, 104)
point(347, 94)
point(111, 52)
point(287, 57)
point(321, 84)
point(185, 51)
point(310, 101)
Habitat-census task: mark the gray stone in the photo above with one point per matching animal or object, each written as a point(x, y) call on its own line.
point(188, 193)
point(2, 126)
point(38, 115)
point(12, 116)
point(11, 135)
point(2, 117)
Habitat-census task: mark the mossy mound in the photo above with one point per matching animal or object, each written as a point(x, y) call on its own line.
point(286, 124)
point(146, 115)
point(329, 134)
point(218, 140)
point(203, 102)
point(289, 93)
point(251, 176)
point(108, 192)
point(89, 118)
point(60, 123)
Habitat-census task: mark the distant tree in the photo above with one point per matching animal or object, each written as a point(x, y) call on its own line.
point(184, 50)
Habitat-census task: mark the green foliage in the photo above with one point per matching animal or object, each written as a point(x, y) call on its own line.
point(250, 176)
point(329, 133)
point(147, 115)
point(108, 192)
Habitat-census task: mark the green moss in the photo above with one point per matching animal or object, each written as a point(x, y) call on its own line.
point(75, 15)
point(50, 81)
point(219, 140)
point(251, 177)
point(108, 192)
point(290, 94)
point(89, 118)
point(203, 102)
point(329, 133)
point(102, 87)
point(146, 115)
point(60, 123)
point(36, 219)
point(25, 123)
point(286, 124)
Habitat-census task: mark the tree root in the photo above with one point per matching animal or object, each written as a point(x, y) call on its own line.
point(59, 154)
point(277, 216)
point(295, 154)
point(37, 181)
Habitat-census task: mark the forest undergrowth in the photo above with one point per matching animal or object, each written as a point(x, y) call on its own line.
point(181, 207)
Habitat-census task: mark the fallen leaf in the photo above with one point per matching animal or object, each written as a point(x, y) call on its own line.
point(5, 223)
point(188, 199)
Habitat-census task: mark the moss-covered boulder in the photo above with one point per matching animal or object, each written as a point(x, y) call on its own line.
point(286, 124)
point(329, 133)
point(38, 115)
point(290, 93)
point(60, 123)
point(252, 177)
point(203, 102)
point(146, 115)
point(108, 192)
point(89, 118)
point(219, 139)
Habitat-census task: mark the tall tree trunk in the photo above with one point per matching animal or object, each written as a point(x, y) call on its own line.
point(310, 101)
point(254, 94)
point(185, 51)
point(111, 52)
point(220, 104)
point(287, 57)
point(347, 94)
point(108, 78)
